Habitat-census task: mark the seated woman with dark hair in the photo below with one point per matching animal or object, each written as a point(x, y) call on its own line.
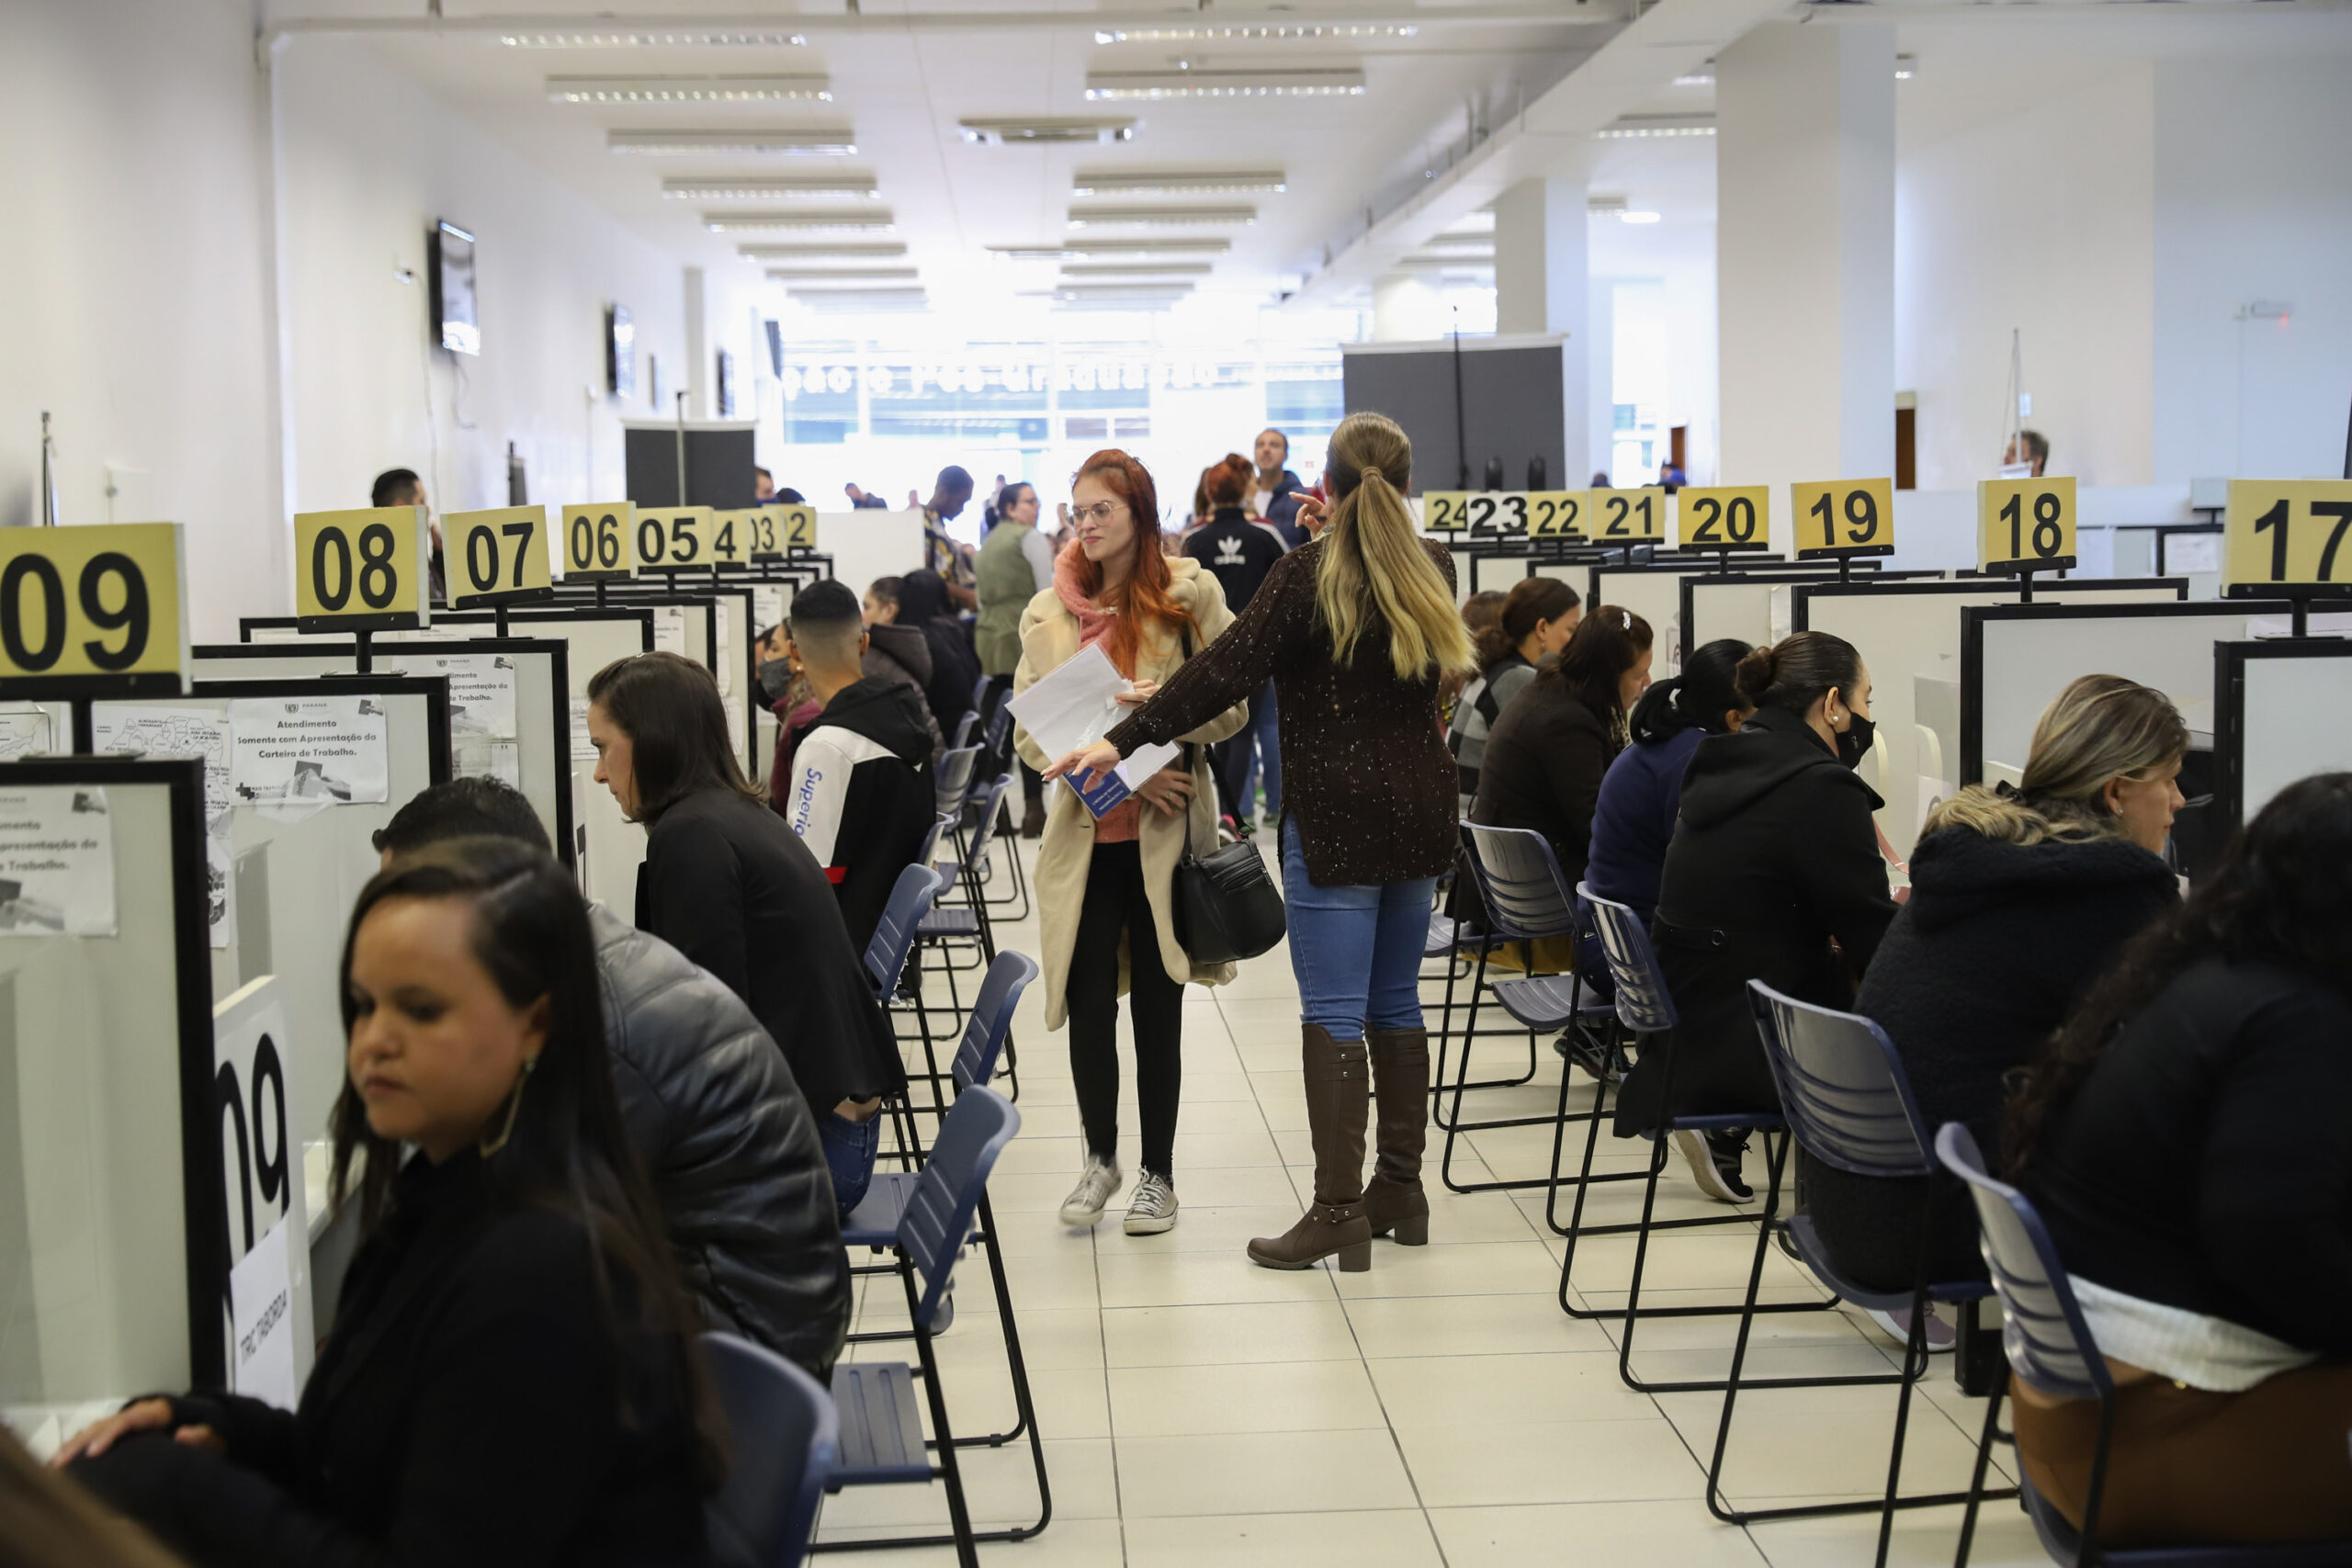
point(1538, 616)
point(1632, 820)
point(511, 1379)
point(921, 604)
point(2186, 1139)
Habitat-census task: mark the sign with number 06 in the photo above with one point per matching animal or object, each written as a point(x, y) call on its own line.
point(93, 611)
point(361, 571)
point(498, 557)
point(600, 542)
point(2289, 533)
point(2025, 524)
point(1844, 517)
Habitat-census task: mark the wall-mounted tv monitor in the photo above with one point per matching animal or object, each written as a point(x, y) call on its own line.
point(453, 290)
point(620, 352)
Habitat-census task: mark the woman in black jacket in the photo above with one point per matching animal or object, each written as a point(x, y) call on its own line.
point(511, 1379)
point(726, 883)
point(2185, 1140)
point(2019, 899)
point(1773, 874)
point(922, 605)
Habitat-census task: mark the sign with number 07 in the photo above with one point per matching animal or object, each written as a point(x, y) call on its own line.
point(498, 557)
point(2288, 534)
point(361, 571)
point(93, 611)
point(600, 542)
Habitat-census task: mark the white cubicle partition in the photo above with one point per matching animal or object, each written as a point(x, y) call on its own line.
point(1661, 594)
point(1910, 630)
point(2282, 712)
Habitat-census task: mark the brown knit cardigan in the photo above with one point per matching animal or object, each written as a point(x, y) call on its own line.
point(1366, 776)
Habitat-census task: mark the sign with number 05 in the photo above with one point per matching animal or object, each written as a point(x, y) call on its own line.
point(1844, 517)
point(1628, 516)
point(2290, 533)
point(361, 571)
point(93, 611)
point(672, 538)
point(1724, 517)
point(600, 542)
point(2025, 524)
point(496, 557)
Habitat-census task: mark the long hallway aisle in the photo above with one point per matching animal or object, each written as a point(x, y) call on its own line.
point(1440, 1409)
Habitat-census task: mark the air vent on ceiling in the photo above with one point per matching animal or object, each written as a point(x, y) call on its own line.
point(1053, 129)
point(1299, 83)
point(688, 89)
point(1178, 182)
point(720, 142)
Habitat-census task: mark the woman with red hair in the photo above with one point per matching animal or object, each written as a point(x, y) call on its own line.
point(1105, 885)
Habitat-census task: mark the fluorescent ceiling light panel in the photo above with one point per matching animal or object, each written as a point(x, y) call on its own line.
point(874, 219)
point(842, 275)
point(1051, 128)
point(688, 89)
point(1178, 182)
point(1636, 126)
point(1296, 31)
point(1604, 205)
point(684, 39)
point(724, 142)
point(1159, 217)
point(1631, 216)
point(1082, 245)
point(1083, 271)
point(1703, 77)
point(1297, 83)
point(751, 187)
point(885, 250)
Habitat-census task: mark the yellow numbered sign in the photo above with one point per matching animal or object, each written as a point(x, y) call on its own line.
point(361, 571)
point(96, 611)
point(1844, 517)
point(1724, 517)
point(496, 557)
point(1628, 516)
point(1445, 510)
point(2025, 524)
point(1555, 514)
point(800, 525)
point(727, 538)
point(766, 531)
point(1498, 511)
point(600, 542)
point(2289, 533)
point(673, 536)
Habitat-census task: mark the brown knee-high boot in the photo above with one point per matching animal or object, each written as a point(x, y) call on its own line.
point(1400, 1083)
point(1339, 1094)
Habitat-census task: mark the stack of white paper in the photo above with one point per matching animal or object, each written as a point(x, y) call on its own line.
point(1073, 706)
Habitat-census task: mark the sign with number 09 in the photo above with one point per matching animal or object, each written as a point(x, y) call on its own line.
point(2025, 524)
point(670, 538)
point(1844, 517)
point(93, 611)
point(361, 571)
point(1724, 517)
point(600, 542)
point(498, 557)
point(2289, 533)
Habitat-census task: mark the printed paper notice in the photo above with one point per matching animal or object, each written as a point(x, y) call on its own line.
point(1073, 706)
point(292, 758)
point(471, 757)
point(670, 631)
point(583, 749)
point(482, 691)
point(261, 1313)
point(769, 600)
point(171, 732)
point(56, 861)
point(24, 731)
point(725, 609)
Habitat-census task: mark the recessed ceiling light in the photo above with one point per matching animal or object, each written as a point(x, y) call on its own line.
point(1083, 271)
point(881, 250)
point(753, 188)
point(840, 274)
point(866, 220)
point(1632, 215)
point(686, 89)
point(1178, 182)
point(696, 40)
point(1082, 245)
point(1604, 205)
point(1315, 83)
point(1703, 77)
point(844, 301)
point(1159, 217)
point(1293, 30)
point(1634, 126)
point(1434, 261)
point(722, 143)
point(1906, 67)
point(1030, 132)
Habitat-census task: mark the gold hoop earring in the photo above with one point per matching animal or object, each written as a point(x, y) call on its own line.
point(513, 1107)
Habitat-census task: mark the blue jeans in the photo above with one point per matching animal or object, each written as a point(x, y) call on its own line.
point(1356, 951)
point(1268, 759)
point(850, 1149)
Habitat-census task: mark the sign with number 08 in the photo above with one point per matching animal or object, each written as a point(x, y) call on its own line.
point(2025, 524)
point(1844, 517)
point(600, 542)
point(673, 537)
point(361, 571)
point(1724, 517)
point(96, 612)
point(2289, 533)
point(498, 557)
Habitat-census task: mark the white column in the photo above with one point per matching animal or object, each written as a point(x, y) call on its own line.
point(1542, 286)
point(1804, 248)
point(1601, 379)
point(700, 372)
point(1404, 310)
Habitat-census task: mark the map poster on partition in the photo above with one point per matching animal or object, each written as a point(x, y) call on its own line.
point(172, 732)
point(24, 731)
point(298, 755)
point(56, 861)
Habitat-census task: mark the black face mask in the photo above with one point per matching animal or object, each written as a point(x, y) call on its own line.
point(776, 678)
point(1855, 741)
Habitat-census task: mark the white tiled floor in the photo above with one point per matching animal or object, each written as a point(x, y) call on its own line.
point(1441, 1409)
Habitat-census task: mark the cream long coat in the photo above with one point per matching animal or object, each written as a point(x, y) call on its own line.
point(1048, 637)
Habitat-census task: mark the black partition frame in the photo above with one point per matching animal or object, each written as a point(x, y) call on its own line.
point(1801, 600)
point(1795, 571)
point(2230, 661)
point(204, 1198)
point(555, 649)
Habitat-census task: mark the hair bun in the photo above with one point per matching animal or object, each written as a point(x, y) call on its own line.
point(1754, 676)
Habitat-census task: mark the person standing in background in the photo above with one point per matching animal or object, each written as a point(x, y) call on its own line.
point(2030, 450)
point(1240, 553)
point(1014, 562)
point(1272, 497)
point(763, 486)
point(400, 487)
point(941, 552)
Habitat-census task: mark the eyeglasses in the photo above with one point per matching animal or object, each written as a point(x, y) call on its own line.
point(1101, 512)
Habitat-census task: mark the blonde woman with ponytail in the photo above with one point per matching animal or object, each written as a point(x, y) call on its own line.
point(1357, 630)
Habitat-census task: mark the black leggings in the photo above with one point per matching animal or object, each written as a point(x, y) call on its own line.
point(1116, 906)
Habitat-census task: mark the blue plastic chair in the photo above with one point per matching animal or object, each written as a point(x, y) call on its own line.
point(786, 1441)
point(882, 1440)
point(953, 779)
point(2050, 1349)
point(894, 939)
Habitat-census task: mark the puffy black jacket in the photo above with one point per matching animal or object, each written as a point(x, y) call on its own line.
point(724, 1134)
point(903, 654)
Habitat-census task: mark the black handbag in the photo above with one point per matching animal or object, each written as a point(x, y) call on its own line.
point(1228, 909)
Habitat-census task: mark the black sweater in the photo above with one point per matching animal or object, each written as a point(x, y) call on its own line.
point(1237, 551)
point(1544, 761)
point(466, 1412)
point(726, 883)
point(2206, 1163)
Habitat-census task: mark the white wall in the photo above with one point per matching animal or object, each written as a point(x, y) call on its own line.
point(138, 276)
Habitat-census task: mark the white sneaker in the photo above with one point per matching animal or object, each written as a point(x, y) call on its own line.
point(1897, 1326)
point(1095, 1185)
point(1152, 1207)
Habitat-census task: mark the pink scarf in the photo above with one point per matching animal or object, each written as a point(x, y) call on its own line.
point(1093, 624)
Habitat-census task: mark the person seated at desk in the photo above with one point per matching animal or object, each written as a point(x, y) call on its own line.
point(512, 1377)
point(1632, 820)
point(718, 1124)
point(1538, 616)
